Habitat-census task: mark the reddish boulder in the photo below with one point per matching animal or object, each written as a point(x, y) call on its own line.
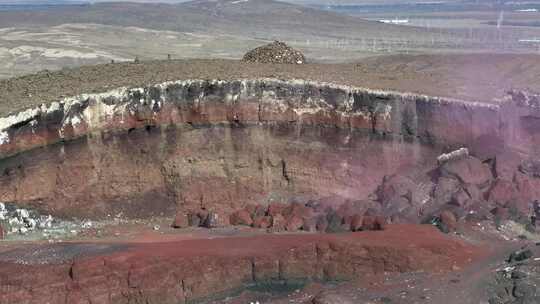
point(347, 219)
point(241, 217)
point(260, 210)
point(203, 216)
point(297, 210)
point(356, 222)
point(444, 190)
point(368, 223)
point(262, 222)
point(349, 208)
point(251, 209)
point(396, 186)
point(527, 190)
point(380, 223)
point(294, 223)
point(460, 198)
point(181, 220)
point(468, 170)
point(501, 192)
point(448, 220)
point(373, 223)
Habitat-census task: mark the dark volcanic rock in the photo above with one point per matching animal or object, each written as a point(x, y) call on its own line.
point(275, 52)
point(517, 281)
point(215, 220)
point(520, 255)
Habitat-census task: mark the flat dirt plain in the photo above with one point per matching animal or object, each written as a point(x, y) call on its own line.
point(70, 36)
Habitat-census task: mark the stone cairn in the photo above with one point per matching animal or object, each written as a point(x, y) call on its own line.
point(275, 52)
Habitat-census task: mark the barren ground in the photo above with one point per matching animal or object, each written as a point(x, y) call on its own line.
point(479, 77)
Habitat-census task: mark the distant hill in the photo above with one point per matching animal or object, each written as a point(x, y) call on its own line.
point(264, 19)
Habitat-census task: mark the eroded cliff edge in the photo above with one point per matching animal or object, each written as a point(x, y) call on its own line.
point(223, 144)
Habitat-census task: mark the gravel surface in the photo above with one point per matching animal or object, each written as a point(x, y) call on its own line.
point(56, 253)
point(480, 77)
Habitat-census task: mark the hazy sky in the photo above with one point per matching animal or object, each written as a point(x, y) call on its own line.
point(178, 1)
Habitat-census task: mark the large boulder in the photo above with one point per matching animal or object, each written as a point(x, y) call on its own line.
point(297, 210)
point(468, 170)
point(448, 221)
point(530, 167)
point(275, 52)
point(356, 222)
point(445, 189)
point(241, 217)
point(181, 220)
point(501, 192)
point(275, 209)
point(294, 223)
point(401, 196)
point(396, 186)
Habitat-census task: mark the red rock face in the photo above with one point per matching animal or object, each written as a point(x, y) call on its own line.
point(223, 145)
point(183, 271)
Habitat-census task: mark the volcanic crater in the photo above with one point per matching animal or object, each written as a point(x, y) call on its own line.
point(202, 151)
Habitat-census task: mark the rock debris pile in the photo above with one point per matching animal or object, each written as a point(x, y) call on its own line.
point(275, 52)
point(278, 217)
point(517, 280)
point(461, 189)
point(28, 224)
point(311, 216)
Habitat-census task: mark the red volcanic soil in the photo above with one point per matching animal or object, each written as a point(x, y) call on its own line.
point(178, 271)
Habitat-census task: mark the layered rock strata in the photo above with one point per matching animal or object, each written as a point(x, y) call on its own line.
point(210, 144)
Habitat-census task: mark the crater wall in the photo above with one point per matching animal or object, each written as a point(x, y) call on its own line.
point(222, 144)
